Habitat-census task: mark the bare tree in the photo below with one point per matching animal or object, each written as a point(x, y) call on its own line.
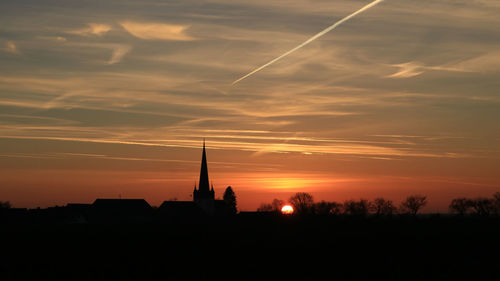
point(460, 205)
point(324, 208)
point(380, 207)
point(302, 202)
point(496, 200)
point(413, 204)
point(483, 206)
point(274, 206)
point(328, 208)
point(277, 204)
point(336, 208)
point(264, 207)
point(357, 208)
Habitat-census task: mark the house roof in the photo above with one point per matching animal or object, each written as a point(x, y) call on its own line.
point(78, 206)
point(136, 204)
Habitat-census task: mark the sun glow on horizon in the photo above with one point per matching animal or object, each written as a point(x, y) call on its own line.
point(287, 209)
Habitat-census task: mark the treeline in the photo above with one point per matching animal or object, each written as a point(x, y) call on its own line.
point(303, 203)
point(479, 206)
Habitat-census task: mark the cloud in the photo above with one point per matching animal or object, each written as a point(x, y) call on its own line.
point(316, 36)
point(407, 70)
point(53, 38)
point(411, 69)
point(118, 52)
point(75, 134)
point(10, 47)
point(157, 31)
point(488, 62)
point(92, 29)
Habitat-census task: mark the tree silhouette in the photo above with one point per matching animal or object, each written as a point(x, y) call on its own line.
point(496, 201)
point(357, 208)
point(380, 207)
point(277, 204)
point(265, 207)
point(483, 206)
point(5, 205)
point(460, 205)
point(302, 202)
point(336, 208)
point(327, 208)
point(413, 204)
point(274, 206)
point(322, 208)
point(230, 199)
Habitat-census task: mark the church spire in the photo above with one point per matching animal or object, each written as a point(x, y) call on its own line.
point(203, 186)
point(204, 197)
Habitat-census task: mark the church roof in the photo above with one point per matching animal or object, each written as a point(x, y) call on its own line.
point(179, 208)
point(177, 204)
point(222, 208)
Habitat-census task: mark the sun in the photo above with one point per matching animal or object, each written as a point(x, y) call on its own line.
point(287, 210)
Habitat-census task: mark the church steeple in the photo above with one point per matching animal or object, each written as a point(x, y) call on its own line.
point(204, 197)
point(203, 186)
point(203, 191)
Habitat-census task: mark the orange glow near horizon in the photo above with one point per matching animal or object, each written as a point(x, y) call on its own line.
point(287, 181)
point(44, 187)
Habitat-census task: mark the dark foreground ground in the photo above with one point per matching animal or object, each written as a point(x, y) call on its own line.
point(256, 248)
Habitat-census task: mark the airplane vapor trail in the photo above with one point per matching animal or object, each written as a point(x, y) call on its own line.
point(312, 38)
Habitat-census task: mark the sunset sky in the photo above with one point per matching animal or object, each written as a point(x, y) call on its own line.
point(110, 98)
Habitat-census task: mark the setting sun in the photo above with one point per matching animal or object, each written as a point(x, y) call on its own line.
point(287, 210)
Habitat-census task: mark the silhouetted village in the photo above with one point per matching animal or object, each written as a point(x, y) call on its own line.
point(204, 205)
point(207, 239)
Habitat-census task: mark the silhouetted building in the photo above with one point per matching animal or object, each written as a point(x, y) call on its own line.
point(14, 215)
point(221, 208)
point(117, 210)
point(77, 212)
point(203, 204)
point(204, 196)
point(180, 210)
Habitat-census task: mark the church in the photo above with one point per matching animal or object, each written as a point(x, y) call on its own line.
point(204, 197)
point(204, 202)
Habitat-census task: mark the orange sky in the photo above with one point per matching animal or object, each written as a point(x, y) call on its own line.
point(31, 180)
point(115, 99)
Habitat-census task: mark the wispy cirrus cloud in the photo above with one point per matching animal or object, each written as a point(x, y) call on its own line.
point(53, 38)
point(11, 47)
point(407, 70)
point(119, 51)
point(412, 68)
point(260, 143)
point(487, 62)
point(98, 29)
point(316, 36)
point(157, 31)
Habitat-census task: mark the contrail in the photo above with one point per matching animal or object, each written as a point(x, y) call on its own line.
point(312, 38)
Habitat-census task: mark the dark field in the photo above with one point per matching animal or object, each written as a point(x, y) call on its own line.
point(256, 248)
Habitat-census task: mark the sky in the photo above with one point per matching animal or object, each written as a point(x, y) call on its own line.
point(101, 99)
